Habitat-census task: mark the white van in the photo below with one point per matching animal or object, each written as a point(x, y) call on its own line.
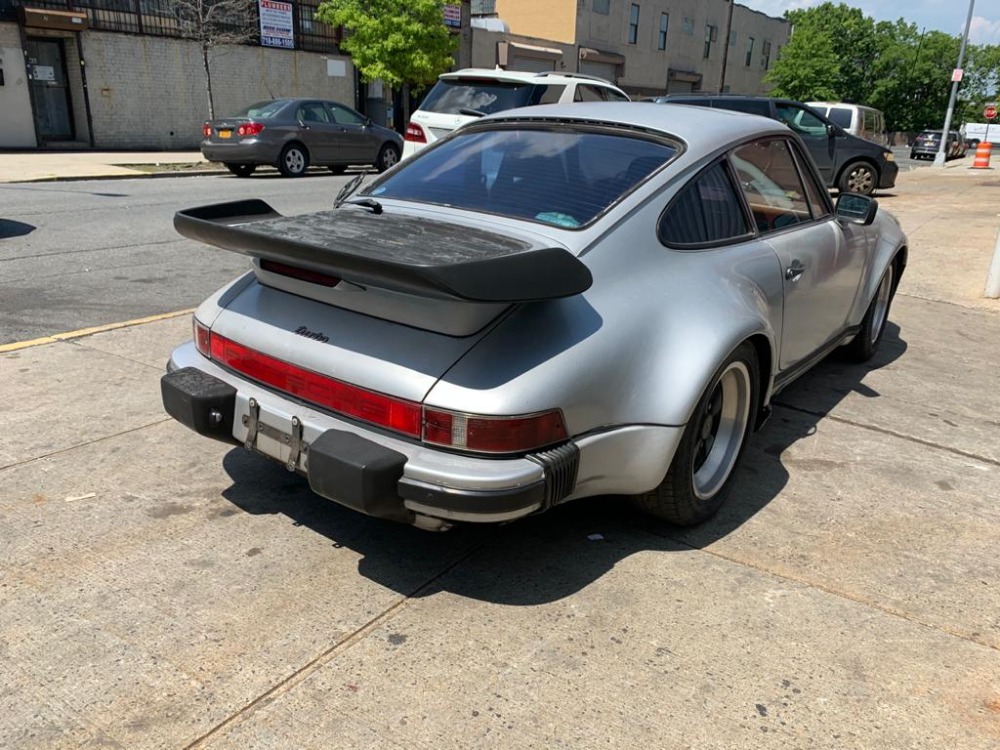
point(856, 119)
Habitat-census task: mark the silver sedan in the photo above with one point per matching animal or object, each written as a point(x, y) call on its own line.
point(292, 134)
point(549, 304)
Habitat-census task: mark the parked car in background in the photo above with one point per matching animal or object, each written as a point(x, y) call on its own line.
point(928, 143)
point(292, 134)
point(856, 119)
point(463, 96)
point(846, 162)
point(553, 303)
point(978, 132)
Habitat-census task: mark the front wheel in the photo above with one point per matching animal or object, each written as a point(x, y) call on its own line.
point(701, 474)
point(294, 160)
point(858, 177)
point(242, 170)
point(388, 157)
point(863, 346)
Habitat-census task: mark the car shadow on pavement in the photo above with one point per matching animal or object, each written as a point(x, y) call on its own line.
point(10, 228)
point(548, 557)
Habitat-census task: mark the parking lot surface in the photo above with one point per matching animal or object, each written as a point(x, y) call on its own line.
point(164, 591)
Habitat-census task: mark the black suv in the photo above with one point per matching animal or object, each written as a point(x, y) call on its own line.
point(852, 165)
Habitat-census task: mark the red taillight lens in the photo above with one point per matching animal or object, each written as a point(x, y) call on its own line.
point(343, 398)
point(415, 134)
point(206, 130)
point(493, 434)
point(303, 274)
point(202, 338)
point(251, 128)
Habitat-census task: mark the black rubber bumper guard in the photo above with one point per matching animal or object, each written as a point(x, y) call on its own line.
point(360, 473)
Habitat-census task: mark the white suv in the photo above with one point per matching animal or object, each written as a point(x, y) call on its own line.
point(464, 95)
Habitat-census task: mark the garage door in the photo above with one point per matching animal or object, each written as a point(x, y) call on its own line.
point(601, 69)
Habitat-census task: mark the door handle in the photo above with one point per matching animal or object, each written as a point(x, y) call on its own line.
point(795, 270)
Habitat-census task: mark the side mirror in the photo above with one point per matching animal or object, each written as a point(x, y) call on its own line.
point(856, 208)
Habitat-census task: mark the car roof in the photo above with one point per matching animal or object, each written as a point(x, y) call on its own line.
point(500, 74)
point(699, 127)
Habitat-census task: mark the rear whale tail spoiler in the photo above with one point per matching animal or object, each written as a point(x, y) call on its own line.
point(404, 253)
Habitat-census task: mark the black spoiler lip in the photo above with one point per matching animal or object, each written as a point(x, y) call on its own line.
point(399, 252)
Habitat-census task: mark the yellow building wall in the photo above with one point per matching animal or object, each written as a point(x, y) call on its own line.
point(545, 19)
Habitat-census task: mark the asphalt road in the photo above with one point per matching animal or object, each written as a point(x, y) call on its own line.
point(80, 254)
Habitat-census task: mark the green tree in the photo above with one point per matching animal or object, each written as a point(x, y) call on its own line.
point(402, 42)
point(808, 68)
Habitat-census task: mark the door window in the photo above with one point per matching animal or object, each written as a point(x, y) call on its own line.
point(801, 120)
point(313, 112)
point(770, 182)
point(706, 211)
point(344, 116)
point(587, 93)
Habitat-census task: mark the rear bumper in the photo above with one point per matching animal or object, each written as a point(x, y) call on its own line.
point(388, 477)
point(247, 151)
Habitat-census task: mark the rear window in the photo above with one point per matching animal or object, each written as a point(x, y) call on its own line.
point(840, 116)
point(482, 95)
point(562, 177)
point(930, 135)
point(261, 110)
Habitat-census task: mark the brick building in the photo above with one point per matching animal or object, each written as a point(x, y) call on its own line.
point(125, 74)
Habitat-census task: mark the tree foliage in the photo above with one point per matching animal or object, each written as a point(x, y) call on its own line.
point(402, 42)
point(836, 53)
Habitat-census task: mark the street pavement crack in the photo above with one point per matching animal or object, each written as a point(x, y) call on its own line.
point(892, 433)
point(327, 656)
point(59, 253)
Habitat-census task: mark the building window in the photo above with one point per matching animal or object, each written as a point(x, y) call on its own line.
point(633, 24)
point(664, 24)
point(732, 38)
point(688, 26)
point(765, 56)
point(711, 34)
point(602, 6)
point(749, 56)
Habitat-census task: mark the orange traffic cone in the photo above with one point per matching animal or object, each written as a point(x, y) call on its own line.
point(982, 160)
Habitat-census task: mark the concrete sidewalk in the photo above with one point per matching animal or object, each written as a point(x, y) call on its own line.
point(161, 590)
point(33, 166)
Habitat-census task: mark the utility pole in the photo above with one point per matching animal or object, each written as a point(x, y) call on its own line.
point(725, 47)
point(939, 157)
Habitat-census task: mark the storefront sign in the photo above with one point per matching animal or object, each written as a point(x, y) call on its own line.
point(453, 15)
point(276, 24)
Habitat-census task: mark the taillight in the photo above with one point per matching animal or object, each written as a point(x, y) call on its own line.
point(350, 400)
point(485, 434)
point(251, 128)
point(206, 130)
point(415, 134)
point(303, 274)
point(202, 338)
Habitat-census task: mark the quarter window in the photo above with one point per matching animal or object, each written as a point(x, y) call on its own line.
point(706, 211)
point(633, 24)
point(770, 182)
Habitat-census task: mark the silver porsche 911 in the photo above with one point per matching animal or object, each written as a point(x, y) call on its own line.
point(552, 303)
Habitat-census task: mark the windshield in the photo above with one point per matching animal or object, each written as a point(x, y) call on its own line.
point(261, 110)
point(562, 177)
point(451, 96)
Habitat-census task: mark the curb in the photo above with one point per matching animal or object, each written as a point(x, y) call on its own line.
point(136, 176)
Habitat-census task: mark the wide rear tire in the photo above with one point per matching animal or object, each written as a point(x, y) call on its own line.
point(703, 469)
point(863, 346)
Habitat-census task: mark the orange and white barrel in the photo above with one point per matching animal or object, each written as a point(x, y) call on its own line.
point(982, 160)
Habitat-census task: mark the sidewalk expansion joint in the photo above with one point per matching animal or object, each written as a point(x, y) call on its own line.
point(61, 451)
point(891, 433)
point(327, 656)
point(911, 295)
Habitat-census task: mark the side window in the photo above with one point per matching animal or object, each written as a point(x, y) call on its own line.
point(313, 112)
point(815, 190)
point(706, 211)
point(549, 94)
point(611, 95)
point(587, 93)
point(801, 121)
point(771, 184)
point(345, 116)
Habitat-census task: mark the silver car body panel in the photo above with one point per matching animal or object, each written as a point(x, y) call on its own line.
point(626, 361)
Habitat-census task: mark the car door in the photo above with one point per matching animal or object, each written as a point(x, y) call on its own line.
point(358, 142)
point(814, 132)
point(821, 261)
point(317, 131)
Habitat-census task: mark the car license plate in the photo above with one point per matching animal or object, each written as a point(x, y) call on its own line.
point(225, 134)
